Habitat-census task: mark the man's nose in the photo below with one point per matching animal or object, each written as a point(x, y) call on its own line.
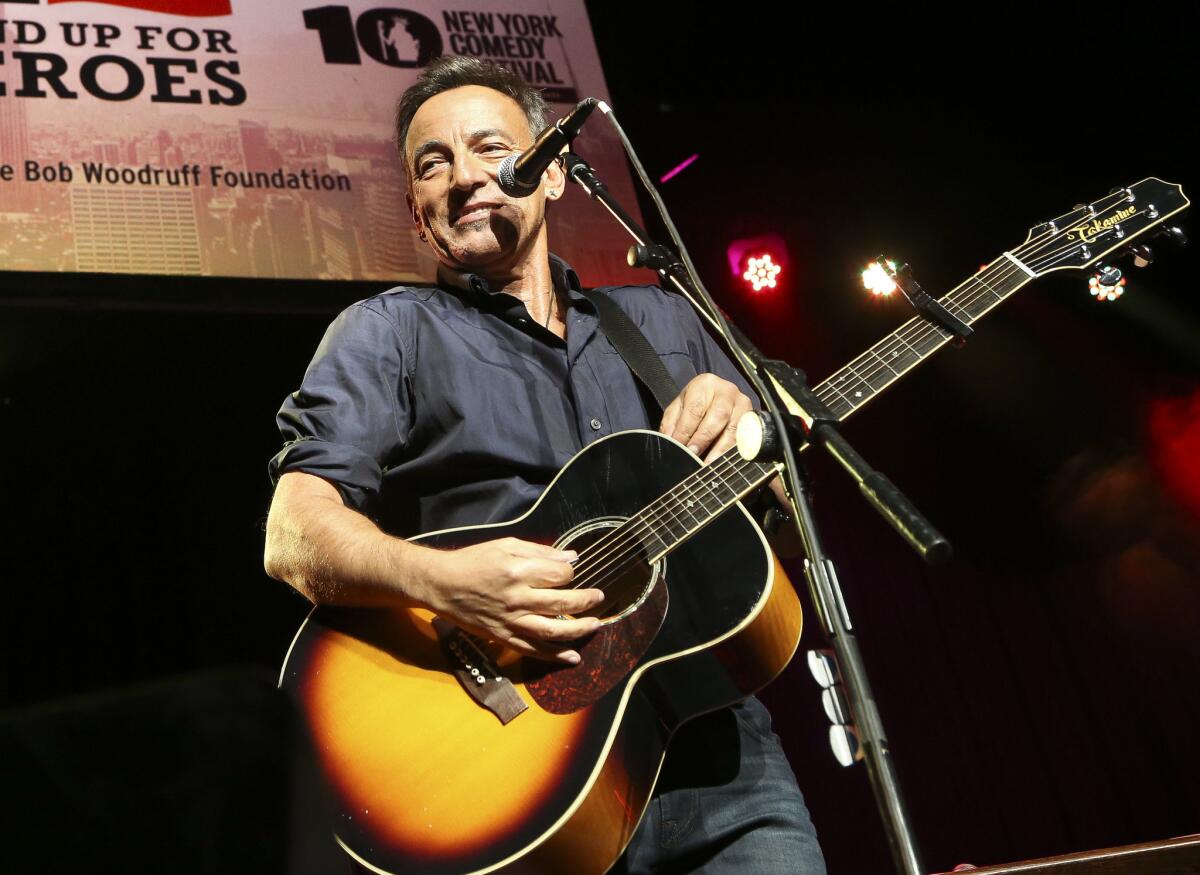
point(469, 171)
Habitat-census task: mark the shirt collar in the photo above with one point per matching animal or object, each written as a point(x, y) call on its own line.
point(474, 287)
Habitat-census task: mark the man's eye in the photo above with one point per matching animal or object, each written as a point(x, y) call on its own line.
point(428, 166)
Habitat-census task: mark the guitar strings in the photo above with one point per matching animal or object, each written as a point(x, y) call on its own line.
point(632, 543)
point(624, 543)
point(631, 534)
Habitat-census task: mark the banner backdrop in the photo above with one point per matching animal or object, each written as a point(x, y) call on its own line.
point(252, 138)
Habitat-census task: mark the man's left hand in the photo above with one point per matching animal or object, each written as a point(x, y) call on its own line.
point(705, 415)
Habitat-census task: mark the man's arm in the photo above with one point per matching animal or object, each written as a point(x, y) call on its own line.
point(508, 590)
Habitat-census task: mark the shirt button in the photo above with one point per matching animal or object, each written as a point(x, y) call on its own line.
point(596, 425)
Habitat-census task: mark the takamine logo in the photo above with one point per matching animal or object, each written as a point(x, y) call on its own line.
point(1090, 230)
point(194, 8)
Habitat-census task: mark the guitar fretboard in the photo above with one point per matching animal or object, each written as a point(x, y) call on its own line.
point(895, 355)
point(697, 501)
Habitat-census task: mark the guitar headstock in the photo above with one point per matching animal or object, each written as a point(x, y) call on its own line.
point(1088, 233)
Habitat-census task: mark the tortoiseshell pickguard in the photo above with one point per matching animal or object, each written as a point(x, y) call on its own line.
point(607, 657)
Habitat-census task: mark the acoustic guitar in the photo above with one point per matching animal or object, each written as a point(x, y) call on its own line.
point(448, 755)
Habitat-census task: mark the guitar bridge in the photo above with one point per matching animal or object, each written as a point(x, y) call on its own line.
point(477, 673)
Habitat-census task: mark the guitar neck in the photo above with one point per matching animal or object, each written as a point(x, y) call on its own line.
point(680, 513)
point(895, 355)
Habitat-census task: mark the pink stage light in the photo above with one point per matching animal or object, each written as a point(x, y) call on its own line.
point(760, 262)
point(762, 272)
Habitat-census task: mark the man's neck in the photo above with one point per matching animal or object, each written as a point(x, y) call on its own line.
point(530, 281)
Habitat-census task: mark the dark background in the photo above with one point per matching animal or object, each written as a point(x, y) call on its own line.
point(1041, 691)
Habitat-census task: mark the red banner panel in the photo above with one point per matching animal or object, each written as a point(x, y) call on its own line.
point(195, 8)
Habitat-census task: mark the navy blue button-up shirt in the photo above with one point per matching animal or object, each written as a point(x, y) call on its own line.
point(435, 408)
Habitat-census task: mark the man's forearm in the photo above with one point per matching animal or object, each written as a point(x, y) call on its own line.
point(334, 555)
point(509, 590)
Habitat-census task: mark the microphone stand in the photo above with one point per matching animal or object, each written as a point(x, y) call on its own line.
point(785, 388)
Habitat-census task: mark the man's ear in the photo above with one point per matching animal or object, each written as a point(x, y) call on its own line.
point(555, 181)
point(417, 218)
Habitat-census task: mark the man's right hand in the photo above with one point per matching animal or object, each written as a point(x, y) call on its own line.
point(509, 590)
point(514, 592)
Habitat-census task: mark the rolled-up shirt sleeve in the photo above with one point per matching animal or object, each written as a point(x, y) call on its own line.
point(351, 415)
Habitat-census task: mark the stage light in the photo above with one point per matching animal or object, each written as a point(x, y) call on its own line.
point(762, 272)
point(876, 280)
point(761, 262)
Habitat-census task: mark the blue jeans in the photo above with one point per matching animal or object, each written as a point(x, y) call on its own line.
point(726, 802)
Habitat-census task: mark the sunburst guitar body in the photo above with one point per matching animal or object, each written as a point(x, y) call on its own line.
point(426, 779)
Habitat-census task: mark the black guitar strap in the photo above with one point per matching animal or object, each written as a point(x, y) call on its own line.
point(634, 348)
point(652, 373)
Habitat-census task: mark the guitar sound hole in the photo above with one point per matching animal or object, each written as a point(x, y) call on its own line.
point(620, 569)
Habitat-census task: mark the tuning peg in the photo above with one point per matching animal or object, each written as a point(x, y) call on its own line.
point(1142, 254)
point(1175, 234)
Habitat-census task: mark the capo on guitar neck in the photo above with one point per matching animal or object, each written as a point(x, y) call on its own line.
point(925, 304)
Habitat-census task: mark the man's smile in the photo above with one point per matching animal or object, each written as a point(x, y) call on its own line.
point(474, 212)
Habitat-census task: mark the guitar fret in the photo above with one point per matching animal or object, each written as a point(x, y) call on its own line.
point(878, 378)
point(685, 505)
point(653, 549)
point(898, 359)
point(967, 297)
point(831, 384)
point(837, 406)
point(1010, 284)
point(979, 279)
point(699, 499)
point(852, 387)
point(955, 305)
point(883, 362)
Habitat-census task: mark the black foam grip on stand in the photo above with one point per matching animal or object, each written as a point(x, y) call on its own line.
point(905, 519)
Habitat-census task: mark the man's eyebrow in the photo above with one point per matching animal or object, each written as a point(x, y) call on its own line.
point(484, 133)
point(425, 148)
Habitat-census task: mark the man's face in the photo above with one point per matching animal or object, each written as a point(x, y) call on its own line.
point(454, 148)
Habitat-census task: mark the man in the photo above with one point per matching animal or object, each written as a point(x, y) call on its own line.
point(435, 408)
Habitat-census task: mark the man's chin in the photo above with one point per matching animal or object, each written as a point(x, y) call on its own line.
point(479, 247)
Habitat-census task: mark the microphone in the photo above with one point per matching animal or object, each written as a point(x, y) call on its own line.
point(520, 175)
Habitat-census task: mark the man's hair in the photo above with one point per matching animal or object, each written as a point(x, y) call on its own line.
point(455, 71)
